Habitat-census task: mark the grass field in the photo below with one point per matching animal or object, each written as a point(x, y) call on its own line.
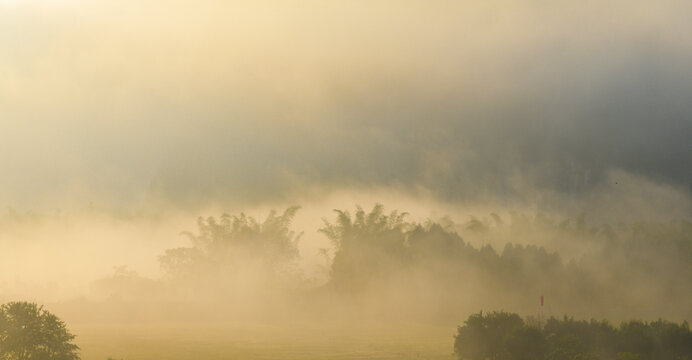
point(253, 341)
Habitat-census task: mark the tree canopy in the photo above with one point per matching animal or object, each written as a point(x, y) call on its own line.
point(224, 249)
point(29, 332)
point(505, 336)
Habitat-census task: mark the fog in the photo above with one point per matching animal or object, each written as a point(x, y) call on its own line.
point(143, 104)
point(537, 148)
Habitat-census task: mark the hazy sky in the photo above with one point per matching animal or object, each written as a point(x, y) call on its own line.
point(124, 103)
point(456, 108)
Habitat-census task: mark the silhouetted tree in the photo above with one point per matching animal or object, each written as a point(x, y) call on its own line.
point(221, 242)
point(484, 336)
point(368, 246)
point(525, 343)
point(234, 256)
point(28, 332)
point(505, 336)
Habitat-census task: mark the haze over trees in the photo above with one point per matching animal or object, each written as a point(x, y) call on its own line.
point(230, 244)
point(385, 266)
point(608, 268)
point(523, 150)
point(435, 269)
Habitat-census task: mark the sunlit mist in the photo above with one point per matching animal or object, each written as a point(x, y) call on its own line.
point(346, 179)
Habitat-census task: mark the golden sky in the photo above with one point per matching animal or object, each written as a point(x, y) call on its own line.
point(125, 102)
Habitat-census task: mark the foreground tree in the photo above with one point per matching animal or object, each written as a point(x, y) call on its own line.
point(28, 332)
point(485, 336)
point(505, 336)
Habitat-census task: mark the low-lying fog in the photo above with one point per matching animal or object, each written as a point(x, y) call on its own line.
point(622, 256)
point(536, 148)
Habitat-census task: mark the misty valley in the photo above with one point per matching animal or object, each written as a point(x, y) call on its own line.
point(345, 179)
point(391, 287)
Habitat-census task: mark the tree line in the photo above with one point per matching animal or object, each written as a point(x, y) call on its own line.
point(621, 270)
point(501, 335)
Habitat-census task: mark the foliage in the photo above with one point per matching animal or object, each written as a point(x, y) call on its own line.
point(372, 248)
point(485, 335)
point(505, 336)
point(440, 268)
point(220, 243)
point(368, 245)
point(28, 332)
point(646, 263)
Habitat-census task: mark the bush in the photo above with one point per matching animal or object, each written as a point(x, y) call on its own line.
point(505, 336)
point(27, 331)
